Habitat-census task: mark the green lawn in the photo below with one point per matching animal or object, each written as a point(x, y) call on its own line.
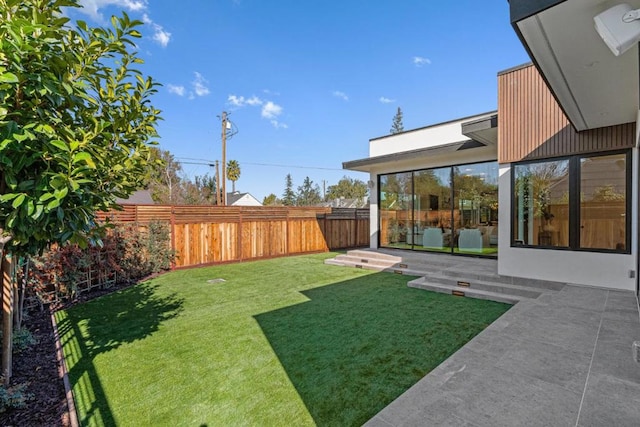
point(288, 341)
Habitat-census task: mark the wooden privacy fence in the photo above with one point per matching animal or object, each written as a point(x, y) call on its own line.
point(211, 234)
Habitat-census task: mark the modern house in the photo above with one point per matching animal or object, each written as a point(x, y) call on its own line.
point(548, 183)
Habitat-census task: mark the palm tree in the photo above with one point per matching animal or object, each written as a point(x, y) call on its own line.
point(233, 173)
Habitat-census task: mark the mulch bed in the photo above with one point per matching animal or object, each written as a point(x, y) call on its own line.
point(38, 368)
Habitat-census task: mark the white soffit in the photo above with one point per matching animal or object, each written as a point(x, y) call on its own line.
point(594, 87)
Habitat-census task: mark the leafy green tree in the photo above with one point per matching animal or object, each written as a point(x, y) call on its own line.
point(233, 173)
point(200, 191)
point(308, 194)
point(288, 197)
point(271, 200)
point(397, 126)
point(76, 121)
point(348, 188)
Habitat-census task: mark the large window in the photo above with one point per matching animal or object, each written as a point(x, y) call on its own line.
point(449, 209)
point(581, 202)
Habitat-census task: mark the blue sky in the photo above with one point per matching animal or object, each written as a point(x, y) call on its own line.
point(308, 83)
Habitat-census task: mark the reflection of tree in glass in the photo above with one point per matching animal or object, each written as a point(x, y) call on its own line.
point(543, 184)
point(607, 193)
point(396, 189)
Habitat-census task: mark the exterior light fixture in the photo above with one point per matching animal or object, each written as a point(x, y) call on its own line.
point(619, 27)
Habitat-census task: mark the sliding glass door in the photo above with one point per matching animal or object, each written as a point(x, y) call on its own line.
point(450, 209)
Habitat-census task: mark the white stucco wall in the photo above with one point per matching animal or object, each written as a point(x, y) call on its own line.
point(373, 212)
point(430, 136)
point(578, 267)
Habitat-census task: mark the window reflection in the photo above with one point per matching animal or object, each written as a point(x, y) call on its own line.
point(427, 210)
point(542, 204)
point(603, 189)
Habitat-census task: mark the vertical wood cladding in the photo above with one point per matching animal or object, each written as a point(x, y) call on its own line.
point(531, 124)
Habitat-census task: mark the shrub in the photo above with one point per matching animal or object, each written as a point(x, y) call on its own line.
point(14, 397)
point(128, 252)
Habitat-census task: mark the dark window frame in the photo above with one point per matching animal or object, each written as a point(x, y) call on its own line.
point(451, 175)
point(574, 202)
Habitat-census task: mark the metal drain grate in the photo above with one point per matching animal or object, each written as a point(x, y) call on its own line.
point(216, 281)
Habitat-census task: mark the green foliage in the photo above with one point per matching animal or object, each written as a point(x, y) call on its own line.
point(129, 252)
point(233, 173)
point(271, 200)
point(348, 188)
point(75, 122)
point(308, 194)
point(288, 197)
point(14, 397)
point(397, 126)
point(22, 339)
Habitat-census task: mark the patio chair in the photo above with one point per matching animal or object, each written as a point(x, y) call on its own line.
point(432, 238)
point(470, 240)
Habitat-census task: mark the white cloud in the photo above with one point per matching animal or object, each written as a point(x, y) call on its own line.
point(254, 100)
point(160, 36)
point(92, 7)
point(276, 124)
point(419, 61)
point(341, 95)
point(176, 90)
point(241, 101)
point(200, 85)
point(386, 100)
point(271, 110)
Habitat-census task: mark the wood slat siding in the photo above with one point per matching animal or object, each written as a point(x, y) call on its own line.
point(531, 124)
point(203, 235)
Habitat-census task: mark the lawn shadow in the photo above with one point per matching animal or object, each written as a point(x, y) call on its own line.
point(357, 345)
point(104, 324)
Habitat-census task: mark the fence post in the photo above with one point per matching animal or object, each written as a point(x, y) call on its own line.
point(173, 234)
point(355, 223)
point(239, 244)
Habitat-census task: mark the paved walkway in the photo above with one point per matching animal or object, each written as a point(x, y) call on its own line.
point(564, 359)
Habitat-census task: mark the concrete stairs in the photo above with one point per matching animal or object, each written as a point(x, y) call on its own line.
point(461, 276)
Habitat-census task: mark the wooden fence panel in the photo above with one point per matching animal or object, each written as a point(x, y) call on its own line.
point(203, 235)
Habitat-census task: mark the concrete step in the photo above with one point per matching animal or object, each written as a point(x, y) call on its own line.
point(376, 266)
point(467, 292)
point(510, 280)
point(494, 287)
point(364, 253)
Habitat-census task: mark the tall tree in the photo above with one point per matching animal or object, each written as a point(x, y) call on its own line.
point(200, 191)
point(164, 181)
point(288, 197)
point(397, 126)
point(349, 188)
point(233, 173)
point(271, 200)
point(75, 122)
point(308, 194)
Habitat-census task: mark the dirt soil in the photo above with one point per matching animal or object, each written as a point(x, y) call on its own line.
point(38, 368)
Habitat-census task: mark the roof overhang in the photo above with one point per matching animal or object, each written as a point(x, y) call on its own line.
point(396, 160)
point(484, 130)
point(594, 88)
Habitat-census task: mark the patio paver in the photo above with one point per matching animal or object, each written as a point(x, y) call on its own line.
point(562, 359)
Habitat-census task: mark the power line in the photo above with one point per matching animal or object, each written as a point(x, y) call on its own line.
point(209, 162)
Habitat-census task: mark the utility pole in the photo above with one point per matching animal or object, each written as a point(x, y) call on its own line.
point(224, 159)
point(218, 198)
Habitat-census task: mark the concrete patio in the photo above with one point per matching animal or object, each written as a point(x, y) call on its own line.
point(563, 359)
